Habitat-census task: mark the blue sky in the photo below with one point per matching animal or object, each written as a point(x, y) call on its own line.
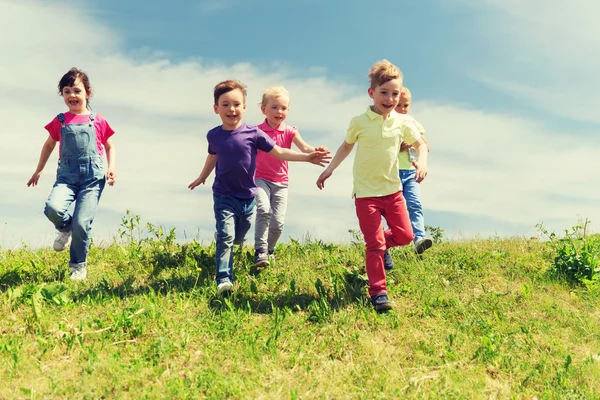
point(506, 90)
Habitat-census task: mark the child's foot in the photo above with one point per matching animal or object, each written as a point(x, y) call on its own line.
point(78, 273)
point(261, 260)
point(388, 262)
point(62, 240)
point(224, 288)
point(422, 244)
point(271, 255)
point(381, 303)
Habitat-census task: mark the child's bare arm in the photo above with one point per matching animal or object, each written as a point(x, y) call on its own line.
point(404, 146)
point(421, 164)
point(47, 149)
point(111, 176)
point(318, 157)
point(305, 147)
point(209, 165)
point(340, 155)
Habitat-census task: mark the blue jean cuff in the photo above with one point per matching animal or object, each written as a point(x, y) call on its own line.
point(77, 266)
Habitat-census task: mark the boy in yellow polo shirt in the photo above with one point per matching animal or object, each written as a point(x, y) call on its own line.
point(377, 190)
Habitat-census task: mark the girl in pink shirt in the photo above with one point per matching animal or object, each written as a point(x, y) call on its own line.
point(272, 174)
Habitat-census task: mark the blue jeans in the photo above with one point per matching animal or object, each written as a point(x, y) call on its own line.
point(234, 218)
point(82, 182)
point(412, 194)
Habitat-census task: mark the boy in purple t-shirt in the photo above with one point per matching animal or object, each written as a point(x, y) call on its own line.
point(232, 149)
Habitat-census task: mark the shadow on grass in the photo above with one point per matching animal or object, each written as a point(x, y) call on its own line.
point(348, 289)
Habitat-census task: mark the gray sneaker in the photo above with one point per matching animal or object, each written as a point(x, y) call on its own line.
point(422, 244)
point(261, 260)
point(78, 273)
point(62, 240)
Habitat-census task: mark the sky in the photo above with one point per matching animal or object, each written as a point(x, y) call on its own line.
point(507, 91)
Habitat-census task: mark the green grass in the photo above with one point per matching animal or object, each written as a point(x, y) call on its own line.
point(476, 319)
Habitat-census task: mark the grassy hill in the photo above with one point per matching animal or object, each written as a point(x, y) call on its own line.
point(476, 319)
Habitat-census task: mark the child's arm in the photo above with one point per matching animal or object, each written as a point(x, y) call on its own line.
point(111, 176)
point(209, 165)
point(305, 147)
point(404, 146)
point(318, 157)
point(47, 149)
point(421, 165)
point(340, 155)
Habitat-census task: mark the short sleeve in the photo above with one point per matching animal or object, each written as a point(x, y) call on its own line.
point(263, 141)
point(410, 132)
point(104, 128)
point(53, 128)
point(352, 132)
point(420, 127)
point(291, 132)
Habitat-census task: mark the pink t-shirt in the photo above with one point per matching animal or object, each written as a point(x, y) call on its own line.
point(103, 129)
point(268, 167)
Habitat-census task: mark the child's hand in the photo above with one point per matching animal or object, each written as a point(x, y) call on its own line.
point(197, 182)
point(319, 157)
point(421, 172)
point(34, 179)
point(322, 178)
point(111, 177)
point(404, 146)
point(321, 148)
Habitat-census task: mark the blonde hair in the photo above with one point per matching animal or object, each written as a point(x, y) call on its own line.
point(383, 71)
point(405, 93)
point(273, 91)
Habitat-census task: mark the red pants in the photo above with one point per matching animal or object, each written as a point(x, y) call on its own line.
point(369, 211)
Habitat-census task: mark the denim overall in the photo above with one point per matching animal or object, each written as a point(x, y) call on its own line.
point(79, 178)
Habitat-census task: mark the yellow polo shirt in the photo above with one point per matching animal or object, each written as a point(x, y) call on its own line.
point(404, 162)
point(378, 144)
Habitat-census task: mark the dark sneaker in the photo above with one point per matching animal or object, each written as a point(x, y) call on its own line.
point(271, 255)
point(381, 302)
point(422, 244)
point(388, 262)
point(261, 260)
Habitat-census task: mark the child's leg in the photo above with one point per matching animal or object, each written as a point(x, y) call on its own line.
point(263, 215)
point(369, 212)
point(243, 221)
point(279, 195)
point(394, 211)
point(81, 223)
point(411, 190)
point(57, 206)
point(224, 208)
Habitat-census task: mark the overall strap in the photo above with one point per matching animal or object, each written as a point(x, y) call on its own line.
point(61, 118)
point(92, 117)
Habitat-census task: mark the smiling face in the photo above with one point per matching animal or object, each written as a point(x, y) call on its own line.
point(386, 96)
point(276, 110)
point(76, 97)
point(403, 105)
point(231, 108)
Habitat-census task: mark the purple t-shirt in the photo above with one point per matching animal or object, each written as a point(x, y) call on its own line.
point(236, 158)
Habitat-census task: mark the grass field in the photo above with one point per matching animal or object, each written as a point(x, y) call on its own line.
point(475, 319)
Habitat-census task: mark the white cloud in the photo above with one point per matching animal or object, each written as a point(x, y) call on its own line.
point(486, 165)
point(545, 54)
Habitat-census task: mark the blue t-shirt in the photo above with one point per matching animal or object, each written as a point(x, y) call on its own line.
point(236, 158)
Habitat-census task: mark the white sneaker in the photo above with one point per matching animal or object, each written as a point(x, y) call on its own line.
point(224, 288)
point(62, 240)
point(78, 273)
